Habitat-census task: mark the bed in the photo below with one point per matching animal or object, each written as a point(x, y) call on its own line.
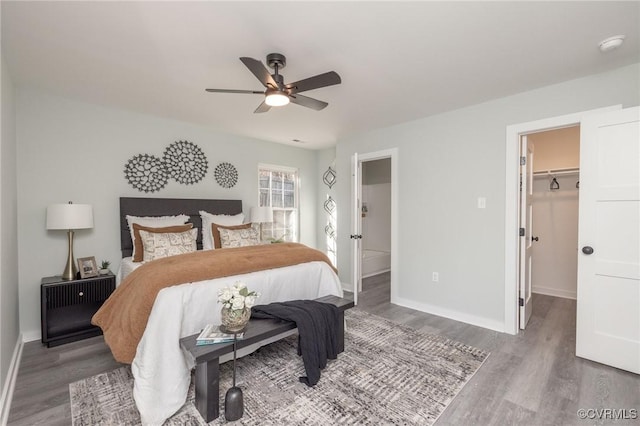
point(160, 368)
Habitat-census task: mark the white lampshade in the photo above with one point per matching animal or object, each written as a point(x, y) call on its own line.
point(69, 216)
point(261, 214)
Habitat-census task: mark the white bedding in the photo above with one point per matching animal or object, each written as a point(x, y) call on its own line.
point(127, 266)
point(162, 370)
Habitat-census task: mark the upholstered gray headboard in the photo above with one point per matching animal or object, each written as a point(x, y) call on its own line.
point(169, 207)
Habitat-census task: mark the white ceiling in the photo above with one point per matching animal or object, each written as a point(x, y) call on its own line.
point(399, 61)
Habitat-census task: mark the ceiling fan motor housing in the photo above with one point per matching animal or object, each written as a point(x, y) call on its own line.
point(278, 59)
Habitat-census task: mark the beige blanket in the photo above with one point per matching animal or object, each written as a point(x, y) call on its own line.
point(123, 317)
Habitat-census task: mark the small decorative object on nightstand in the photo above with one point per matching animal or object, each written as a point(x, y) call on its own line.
point(104, 267)
point(88, 267)
point(67, 307)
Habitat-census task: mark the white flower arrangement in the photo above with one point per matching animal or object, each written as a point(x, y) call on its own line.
point(237, 297)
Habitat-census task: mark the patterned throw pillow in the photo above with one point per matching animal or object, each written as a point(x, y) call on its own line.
point(220, 219)
point(239, 237)
point(158, 245)
point(155, 222)
point(138, 250)
point(215, 232)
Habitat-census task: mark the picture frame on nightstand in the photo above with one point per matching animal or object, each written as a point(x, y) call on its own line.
point(88, 267)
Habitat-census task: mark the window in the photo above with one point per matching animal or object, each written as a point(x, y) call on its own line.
point(278, 187)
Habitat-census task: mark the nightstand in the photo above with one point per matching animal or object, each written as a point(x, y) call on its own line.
point(67, 307)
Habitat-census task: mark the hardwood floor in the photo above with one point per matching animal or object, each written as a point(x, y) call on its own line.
point(529, 379)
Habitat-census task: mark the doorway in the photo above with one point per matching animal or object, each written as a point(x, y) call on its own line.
point(548, 260)
point(512, 203)
point(374, 222)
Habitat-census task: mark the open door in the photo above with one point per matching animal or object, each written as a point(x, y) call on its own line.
point(526, 229)
point(608, 314)
point(356, 236)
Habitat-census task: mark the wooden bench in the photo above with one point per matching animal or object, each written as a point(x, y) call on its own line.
point(258, 330)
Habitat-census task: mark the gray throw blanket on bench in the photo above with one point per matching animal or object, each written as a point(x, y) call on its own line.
point(317, 324)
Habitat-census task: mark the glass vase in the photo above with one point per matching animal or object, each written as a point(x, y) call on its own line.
point(234, 320)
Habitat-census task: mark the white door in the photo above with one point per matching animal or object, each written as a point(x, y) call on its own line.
point(356, 236)
point(526, 229)
point(608, 307)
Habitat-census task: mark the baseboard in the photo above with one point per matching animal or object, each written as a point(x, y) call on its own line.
point(10, 383)
point(373, 274)
point(31, 336)
point(555, 292)
point(454, 315)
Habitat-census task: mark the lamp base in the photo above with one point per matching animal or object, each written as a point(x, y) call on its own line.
point(70, 269)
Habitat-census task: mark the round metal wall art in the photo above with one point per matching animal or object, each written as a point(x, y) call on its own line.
point(185, 162)
point(226, 175)
point(146, 173)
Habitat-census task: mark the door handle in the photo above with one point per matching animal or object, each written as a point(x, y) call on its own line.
point(534, 238)
point(587, 250)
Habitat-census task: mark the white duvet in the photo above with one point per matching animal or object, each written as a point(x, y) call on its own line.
point(162, 371)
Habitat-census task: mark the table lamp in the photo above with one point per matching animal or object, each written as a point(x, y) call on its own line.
point(69, 216)
point(261, 215)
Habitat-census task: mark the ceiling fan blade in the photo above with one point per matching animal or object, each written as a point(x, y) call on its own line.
point(308, 102)
point(254, 92)
point(321, 80)
point(260, 71)
point(263, 107)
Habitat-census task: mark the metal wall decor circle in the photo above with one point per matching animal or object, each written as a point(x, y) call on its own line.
point(146, 173)
point(185, 162)
point(226, 175)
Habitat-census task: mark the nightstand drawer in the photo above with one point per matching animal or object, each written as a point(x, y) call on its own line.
point(78, 292)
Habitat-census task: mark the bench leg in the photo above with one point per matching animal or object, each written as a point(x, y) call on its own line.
point(208, 389)
point(341, 332)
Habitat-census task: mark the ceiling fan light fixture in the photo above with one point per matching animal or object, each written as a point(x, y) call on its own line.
point(276, 98)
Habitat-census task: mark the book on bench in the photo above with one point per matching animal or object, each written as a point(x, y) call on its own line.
point(212, 334)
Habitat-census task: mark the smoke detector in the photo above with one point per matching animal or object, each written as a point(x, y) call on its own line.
point(611, 43)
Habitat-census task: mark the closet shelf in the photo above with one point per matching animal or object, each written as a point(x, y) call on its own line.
point(557, 172)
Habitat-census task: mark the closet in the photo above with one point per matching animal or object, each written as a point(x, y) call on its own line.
point(556, 190)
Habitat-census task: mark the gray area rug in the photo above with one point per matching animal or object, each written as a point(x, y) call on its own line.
point(388, 374)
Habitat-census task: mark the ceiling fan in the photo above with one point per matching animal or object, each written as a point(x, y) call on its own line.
point(278, 93)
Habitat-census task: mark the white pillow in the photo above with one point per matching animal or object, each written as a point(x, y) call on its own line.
point(239, 237)
point(158, 245)
point(153, 222)
point(220, 219)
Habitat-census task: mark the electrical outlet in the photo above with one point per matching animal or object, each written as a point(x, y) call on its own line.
point(436, 277)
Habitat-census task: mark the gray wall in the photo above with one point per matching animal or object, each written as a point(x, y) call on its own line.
point(9, 324)
point(68, 150)
point(445, 163)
